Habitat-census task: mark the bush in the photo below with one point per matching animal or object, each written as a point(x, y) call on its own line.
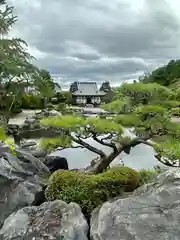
point(175, 112)
point(146, 176)
point(30, 101)
point(50, 106)
point(89, 191)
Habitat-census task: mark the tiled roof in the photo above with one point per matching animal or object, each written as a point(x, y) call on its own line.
point(87, 89)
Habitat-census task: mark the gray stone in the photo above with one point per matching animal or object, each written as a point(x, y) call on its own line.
point(151, 212)
point(26, 144)
point(30, 120)
point(21, 176)
point(52, 220)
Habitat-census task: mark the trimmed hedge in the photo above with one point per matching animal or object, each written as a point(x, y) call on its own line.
point(89, 191)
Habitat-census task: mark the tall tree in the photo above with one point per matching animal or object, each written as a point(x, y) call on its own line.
point(141, 106)
point(109, 93)
point(105, 87)
point(15, 63)
point(45, 85)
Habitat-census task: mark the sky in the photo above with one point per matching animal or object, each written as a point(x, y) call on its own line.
point(95, 40)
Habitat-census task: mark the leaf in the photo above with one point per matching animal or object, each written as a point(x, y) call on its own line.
point(3, 135)
point(71, 122)
point(53, 143)
point(98, 125)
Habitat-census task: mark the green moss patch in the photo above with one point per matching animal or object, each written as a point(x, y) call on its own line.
point(89, 191)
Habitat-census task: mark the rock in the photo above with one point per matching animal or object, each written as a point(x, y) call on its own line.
point(38, 153)
point(152, 212)
point(55, 163)
point(27, 144)
point(21, 176)
point(52, 220)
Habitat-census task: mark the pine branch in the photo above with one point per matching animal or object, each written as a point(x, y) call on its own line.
point(111, 145)
point(79, 141)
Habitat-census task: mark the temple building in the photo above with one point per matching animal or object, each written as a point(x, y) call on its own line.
point(86, 93)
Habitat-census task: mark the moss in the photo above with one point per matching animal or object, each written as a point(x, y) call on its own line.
point(146, 176)
point(89, 191)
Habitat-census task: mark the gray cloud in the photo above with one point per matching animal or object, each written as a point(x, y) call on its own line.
point(95, 40)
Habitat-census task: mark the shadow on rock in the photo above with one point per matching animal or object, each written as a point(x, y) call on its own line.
point(21, 176)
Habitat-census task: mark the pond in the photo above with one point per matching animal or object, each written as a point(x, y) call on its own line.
point(142, 156)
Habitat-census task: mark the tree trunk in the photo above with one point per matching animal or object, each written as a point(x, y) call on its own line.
point(105, 161)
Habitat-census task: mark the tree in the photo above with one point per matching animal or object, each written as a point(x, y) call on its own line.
point(15, 62)
point(150, 119)
point(109, 93)
point(105, 87)
point(45, 85)
point(166, 75)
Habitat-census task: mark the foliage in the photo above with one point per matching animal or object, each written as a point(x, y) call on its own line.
point(108, 97)
point(10, 103)
point(144, 107)
point(152, 108)
point(169, 149)
point(175, 111)
point(118, 106)
point(105, 87)
point(68, 97)
point(44, 84)
point(66, 122)
point(167, 104)
point(15, 63)
point(140, 93)
point(31, 101)
point(7, 140)
point(3, 135)
point(89, 191)
point(49, 144)
point(109, 93)
point(127, 120)
point(103, 126)
point(146, 176)
point(61, 107)
point(166, 75)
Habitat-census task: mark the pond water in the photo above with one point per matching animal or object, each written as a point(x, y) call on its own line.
point(142, 156)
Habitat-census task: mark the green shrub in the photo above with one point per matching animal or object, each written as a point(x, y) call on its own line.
point(146, 176)
point(89, 191)
point(30, 101)
point(50, 106)
point(175, 111)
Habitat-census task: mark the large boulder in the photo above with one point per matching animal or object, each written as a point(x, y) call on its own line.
point(52, 220)
point(21, 176)
point(152, 212)
point(54, 163)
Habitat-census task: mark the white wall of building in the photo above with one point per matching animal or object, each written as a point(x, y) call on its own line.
point(83, 100)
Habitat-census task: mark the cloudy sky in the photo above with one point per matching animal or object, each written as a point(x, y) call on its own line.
point(97, 40)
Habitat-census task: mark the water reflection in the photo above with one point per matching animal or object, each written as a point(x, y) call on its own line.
point(141, 156)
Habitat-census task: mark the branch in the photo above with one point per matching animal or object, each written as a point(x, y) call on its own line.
point(79, 141)
point(111, 145)
point(165, 162)
point(63, 148)
point(107, 137)
point(104, 162)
